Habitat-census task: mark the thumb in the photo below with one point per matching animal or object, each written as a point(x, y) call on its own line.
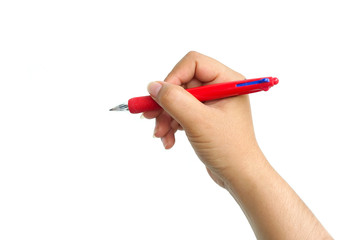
point(178, 103)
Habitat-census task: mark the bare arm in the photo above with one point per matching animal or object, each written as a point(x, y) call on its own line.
point(271, 206)
point(221, 133)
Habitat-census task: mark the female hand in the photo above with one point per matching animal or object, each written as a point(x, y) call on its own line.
point(221, 131)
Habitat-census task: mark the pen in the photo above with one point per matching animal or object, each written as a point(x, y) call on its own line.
point(204, 93)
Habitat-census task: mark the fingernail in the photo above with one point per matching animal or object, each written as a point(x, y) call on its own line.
point(164, 142)
point(155, 130)
point(154, 88)
point(142, 116)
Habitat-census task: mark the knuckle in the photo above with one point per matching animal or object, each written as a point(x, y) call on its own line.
point(169, 93)
point(192, 54)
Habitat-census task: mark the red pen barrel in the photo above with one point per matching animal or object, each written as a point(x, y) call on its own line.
point(142, 104)
point(209, 92)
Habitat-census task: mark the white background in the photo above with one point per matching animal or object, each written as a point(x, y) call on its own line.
point(70, 169)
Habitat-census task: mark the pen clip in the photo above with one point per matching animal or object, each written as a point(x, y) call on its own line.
point(264, 80)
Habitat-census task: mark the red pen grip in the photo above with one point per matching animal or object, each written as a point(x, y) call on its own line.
point(142, 104)
point(208, 92)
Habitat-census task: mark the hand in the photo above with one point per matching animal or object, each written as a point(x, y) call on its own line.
point(221, 131)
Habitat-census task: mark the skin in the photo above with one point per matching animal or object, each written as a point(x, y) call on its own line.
point(222, 135)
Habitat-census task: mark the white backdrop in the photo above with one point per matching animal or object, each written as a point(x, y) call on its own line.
point(70, 169)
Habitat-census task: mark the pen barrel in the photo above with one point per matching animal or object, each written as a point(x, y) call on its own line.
point(142, 104)
point(209, 92)
point(229, 89)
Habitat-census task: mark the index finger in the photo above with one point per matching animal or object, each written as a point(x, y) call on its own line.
point(196, 66)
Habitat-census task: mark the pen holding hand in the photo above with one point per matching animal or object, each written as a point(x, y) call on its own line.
point(220, 143)
point(222, 135)
point(204, 93)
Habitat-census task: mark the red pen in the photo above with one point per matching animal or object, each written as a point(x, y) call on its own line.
point(204, 93)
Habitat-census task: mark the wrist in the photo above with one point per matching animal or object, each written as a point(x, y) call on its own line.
point(245, 171)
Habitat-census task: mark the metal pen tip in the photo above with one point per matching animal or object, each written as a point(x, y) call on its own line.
point(121, 107)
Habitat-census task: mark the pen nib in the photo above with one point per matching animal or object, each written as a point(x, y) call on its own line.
point(121, 107)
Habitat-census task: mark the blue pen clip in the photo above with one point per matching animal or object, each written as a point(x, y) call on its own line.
point(264, 80)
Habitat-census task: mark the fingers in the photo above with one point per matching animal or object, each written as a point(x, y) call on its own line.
point(165, 127)
point(193, 83)
point(151, 114)
point(193, 70)
point(162, 126)
point(169, 139)
point(200, 67)
point(178, 103)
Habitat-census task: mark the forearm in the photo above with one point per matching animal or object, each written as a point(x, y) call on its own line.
point(273, 209)
point(221, 133)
